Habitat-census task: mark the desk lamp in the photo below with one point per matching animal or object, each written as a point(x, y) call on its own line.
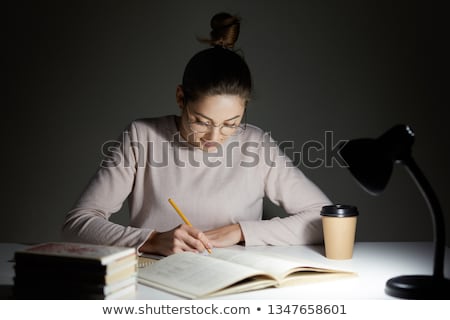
point(371, 161)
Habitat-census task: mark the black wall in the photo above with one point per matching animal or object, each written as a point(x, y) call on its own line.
point(79, 71)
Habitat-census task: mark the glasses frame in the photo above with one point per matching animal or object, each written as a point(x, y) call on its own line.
point(238, 129)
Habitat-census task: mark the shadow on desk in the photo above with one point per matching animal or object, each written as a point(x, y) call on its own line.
point(6, 291)
point(320, 249)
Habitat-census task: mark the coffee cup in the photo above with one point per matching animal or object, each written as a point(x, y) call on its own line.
point(339, 229)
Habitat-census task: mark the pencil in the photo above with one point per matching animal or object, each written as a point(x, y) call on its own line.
point(182, 216)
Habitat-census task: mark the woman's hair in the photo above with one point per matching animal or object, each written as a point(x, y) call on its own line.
point(218, 70)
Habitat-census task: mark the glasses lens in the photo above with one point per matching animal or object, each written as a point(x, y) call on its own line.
point(233, 131)
point(199, 127)
point(228, 131)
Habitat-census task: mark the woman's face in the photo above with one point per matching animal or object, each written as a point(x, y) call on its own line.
point(209, 121)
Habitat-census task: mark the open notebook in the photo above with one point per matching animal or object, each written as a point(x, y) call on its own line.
point(228, 271)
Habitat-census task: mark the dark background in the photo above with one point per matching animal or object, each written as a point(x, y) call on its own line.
point(79, 71)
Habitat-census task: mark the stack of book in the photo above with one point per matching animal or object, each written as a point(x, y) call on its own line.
point(69, 271)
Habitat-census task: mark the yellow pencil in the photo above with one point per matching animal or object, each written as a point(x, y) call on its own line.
point(182, 216)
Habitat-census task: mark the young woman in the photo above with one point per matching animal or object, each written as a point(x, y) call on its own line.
point(214, 165)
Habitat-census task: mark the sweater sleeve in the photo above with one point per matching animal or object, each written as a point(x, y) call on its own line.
point(286, 186)
point(88, 221)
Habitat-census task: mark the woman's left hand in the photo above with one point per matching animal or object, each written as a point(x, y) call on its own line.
point(225, 236)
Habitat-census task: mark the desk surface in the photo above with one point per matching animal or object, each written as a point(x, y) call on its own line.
point(375, 263)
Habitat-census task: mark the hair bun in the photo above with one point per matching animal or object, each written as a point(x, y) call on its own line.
point(225, 30)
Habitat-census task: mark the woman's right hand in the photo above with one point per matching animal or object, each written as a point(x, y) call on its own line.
point(179, 239)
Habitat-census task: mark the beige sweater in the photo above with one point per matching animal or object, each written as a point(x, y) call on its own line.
point(153, 163)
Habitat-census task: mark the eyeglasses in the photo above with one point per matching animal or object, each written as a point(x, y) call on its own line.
point(226, 130)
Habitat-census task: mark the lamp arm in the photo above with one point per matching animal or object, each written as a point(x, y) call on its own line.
point(436, 214)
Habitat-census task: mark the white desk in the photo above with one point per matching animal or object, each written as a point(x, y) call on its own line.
point(375, 263)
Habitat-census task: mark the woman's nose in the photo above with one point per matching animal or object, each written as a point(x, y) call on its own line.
point(213, 134)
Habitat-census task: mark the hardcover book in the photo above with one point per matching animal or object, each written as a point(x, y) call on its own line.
point(75, 252)
point(61, 270)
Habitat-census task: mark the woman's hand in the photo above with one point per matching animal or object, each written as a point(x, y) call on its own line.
point(179, 239)
point(225, 236)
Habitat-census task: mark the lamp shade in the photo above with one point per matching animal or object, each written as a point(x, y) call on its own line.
point(371, 160)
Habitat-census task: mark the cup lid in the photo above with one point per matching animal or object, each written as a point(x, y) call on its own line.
point(339, 210)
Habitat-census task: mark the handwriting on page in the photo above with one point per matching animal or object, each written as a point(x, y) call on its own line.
point(197, 273)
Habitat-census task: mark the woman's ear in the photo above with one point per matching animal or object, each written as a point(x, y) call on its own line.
point(180, 97)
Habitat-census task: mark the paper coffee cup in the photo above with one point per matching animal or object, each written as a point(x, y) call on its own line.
point(339, 229)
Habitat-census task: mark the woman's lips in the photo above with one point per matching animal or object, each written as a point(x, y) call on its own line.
point(210, 144)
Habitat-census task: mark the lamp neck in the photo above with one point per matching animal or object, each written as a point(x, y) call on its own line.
point(436, 214)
